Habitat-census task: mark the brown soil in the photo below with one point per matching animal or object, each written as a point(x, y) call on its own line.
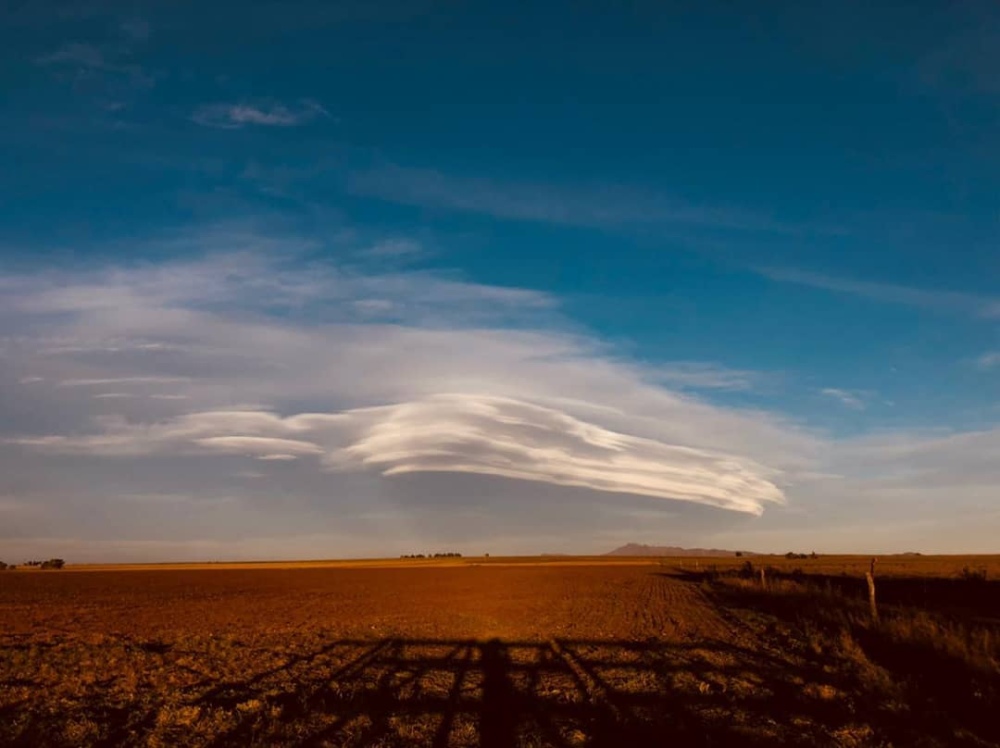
point(437, 655)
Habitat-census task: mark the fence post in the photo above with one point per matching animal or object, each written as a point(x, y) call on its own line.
point(870, 576)
point(763, 579)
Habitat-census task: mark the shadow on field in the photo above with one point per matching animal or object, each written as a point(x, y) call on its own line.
point(796, 661)
point(926, 672)
point(500, 694)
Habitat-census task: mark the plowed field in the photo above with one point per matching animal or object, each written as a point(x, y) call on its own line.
point(457, 655)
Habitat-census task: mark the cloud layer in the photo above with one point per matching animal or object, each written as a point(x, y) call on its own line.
point(267, 392)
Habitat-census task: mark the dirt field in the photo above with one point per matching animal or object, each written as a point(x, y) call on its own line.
point(507, 653)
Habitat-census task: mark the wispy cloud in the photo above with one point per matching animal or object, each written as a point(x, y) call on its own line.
point(107, 75)
point(113, 64)
point(889, 293)
point(84, 55)
point(136, 29)
point(965, 60)
point(395, 249)
point(704, 376)
point(989, 360)
point(602, 206)
point(847, 398)
point(233, 116)
point(120, 381)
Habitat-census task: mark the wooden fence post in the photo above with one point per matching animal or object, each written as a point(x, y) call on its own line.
point(763, 579)
point(870, 576)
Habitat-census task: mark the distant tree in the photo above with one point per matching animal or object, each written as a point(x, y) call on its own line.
point(3, 566)
point(739, 554)
point(973, 575)
point(53, 563)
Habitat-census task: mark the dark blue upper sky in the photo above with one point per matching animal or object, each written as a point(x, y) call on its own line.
point(804, 194)
point(651, 164)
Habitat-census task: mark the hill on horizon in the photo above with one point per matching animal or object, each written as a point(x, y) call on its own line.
point(640, 549)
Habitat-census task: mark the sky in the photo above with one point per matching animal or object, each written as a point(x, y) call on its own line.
point(316, 280)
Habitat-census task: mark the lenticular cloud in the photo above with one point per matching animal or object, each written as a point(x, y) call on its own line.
point(516, 439)
point(457, 433)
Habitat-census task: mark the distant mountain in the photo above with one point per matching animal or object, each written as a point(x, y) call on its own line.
point(637, 549)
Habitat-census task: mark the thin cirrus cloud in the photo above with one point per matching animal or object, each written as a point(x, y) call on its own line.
point(705, 376)
point(600, 206)
point(395, 249)
point(233, 116)
point(76, 53)
point(989, 360)
point(101, 381)
point(846, 398)
point(136, 29)
point(889, 293)
point(113, 65)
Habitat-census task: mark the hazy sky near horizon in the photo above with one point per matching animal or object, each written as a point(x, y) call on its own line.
point(368, 278)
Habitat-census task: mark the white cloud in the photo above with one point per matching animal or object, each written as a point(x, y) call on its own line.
point(516, 439)
point(847, 398)
point(232, 116)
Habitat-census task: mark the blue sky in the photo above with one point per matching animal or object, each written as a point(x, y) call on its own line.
point(354, 278)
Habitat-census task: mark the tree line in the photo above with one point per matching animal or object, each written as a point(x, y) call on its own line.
point(52, 563)
point(432, 555)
